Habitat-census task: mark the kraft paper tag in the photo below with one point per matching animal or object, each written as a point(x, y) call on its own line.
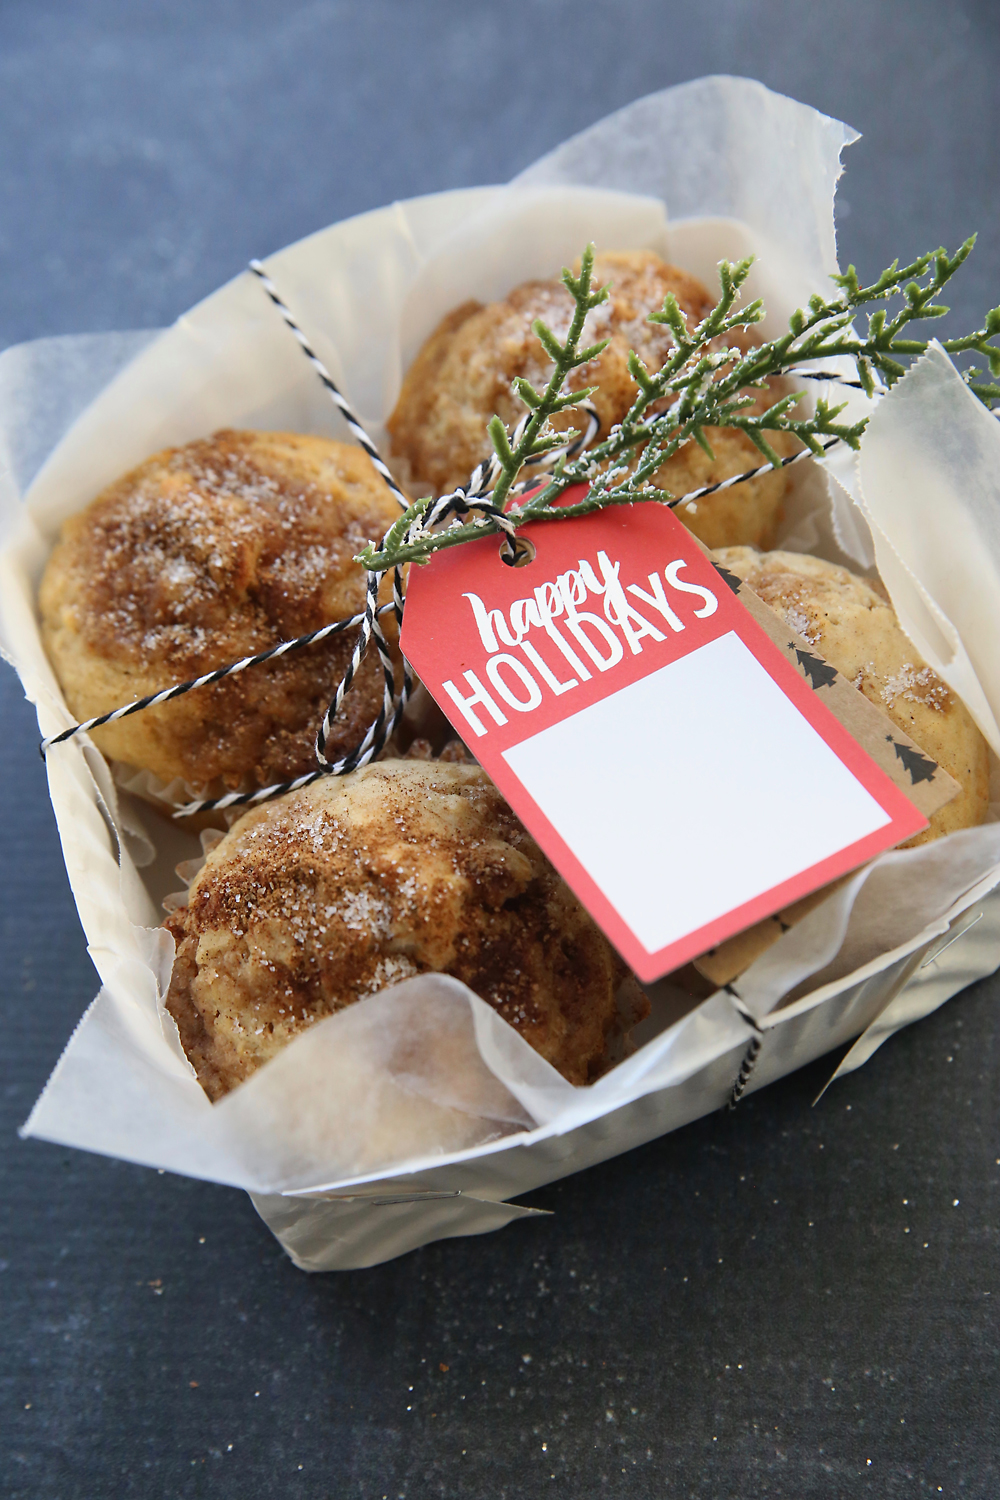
point(679, 764)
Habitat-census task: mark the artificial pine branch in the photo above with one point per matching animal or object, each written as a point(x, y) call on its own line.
point(566, 357)
point(703, 383)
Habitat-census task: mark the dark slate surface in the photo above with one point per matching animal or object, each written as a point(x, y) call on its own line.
point(781, 1302)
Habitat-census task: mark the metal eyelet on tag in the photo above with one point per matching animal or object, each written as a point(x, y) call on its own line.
point(517, 552)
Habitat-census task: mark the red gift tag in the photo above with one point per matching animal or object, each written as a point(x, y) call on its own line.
point(681, 775)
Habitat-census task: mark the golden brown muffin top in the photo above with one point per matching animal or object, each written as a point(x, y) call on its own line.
point(202, 555)
point(220, 547)
point(462, 375)
point(313, 901)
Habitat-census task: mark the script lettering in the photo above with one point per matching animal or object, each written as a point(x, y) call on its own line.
point(580, 636)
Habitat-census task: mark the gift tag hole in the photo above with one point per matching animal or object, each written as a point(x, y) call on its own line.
point(517, 553)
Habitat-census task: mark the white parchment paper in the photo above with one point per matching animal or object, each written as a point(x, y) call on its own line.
point(717, 167)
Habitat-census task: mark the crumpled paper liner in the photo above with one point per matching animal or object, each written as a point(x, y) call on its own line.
point(472, 1116)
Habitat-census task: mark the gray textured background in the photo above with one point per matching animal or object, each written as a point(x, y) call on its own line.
point(735, 1311)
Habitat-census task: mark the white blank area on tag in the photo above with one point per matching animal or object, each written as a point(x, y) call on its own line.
point(693, 790)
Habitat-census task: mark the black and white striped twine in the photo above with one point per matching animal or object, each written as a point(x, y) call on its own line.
point(752, 1053)
point(336, 396)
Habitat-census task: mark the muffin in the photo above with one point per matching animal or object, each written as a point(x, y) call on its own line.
point(855, 628)
point(463, 376)
point(202, 555)
point(332, 893)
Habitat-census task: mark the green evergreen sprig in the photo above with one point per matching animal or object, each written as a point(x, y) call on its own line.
point(535, 440)
point(705, 382)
